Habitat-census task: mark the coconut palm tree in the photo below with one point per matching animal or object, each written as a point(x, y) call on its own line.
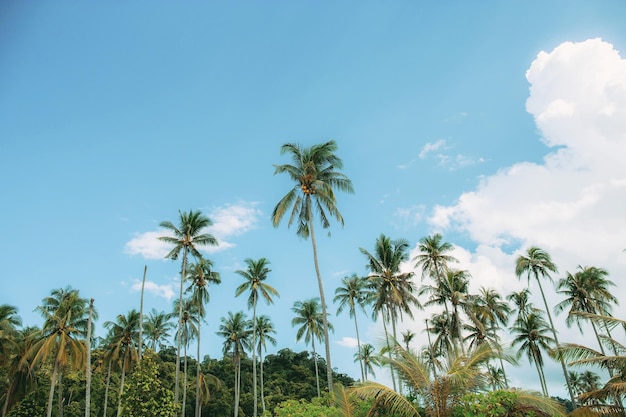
point(434, 257)
point(353, 293)
point(310, 319)
point(538, 263)
point(314, 172)
point(124, 335)
point(61, 337)
point(157, 327)
point(185, 238)
point(20, 376)
point(367, 355)
point(201, 275)
point(441, 327)
point(394, 289)
point(531, 334)
point(407, 338)
point(254, 277)
point(9, 321)
point(189, 329)
point(439, 395)
point(264, 333)
point(235, 330)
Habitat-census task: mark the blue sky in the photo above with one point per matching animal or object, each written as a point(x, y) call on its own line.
point(499, 124)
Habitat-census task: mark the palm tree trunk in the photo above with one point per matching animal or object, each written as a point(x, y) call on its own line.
point(53, 380)
point(106, 390)
point(254, 393)
point(143, 285)
point(182, 411)
point(183, 272)
point(198, 373)
point(329, 368)
point(393, 379)
point(60, 392)
point(237, 384)
point(262, 385)
point(432, 352)
point(88, 360)
point(556, 339)
point(395, 341)
point(317, 373)
point(358, 344)
point(119, 399)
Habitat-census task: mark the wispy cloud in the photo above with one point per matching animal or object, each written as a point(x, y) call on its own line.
point(408, 216)
point(230, 220)
point(447, 160)
point(160, 290)
point(349, 342)
point(431, 147)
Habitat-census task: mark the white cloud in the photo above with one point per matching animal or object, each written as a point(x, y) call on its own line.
point(409, 216)
point(431, 147)
point(349, 342)
point(229, 221)
point(160, 290)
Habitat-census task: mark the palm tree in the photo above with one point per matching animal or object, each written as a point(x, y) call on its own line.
point(439, 395)
point(9, 321)
point(587, 292)
point(201, 275)
point(157, 327)
point(254, 276)
point(407, 338)
point(20, 377)
point(185, 238)
point(530, 333)
point(394, 289)
point(538, 263)
point(61, 337)
point(264, 331)
point(88, 362)
point(433, 258)
point(521, 300)
point(311, 321)
point(316, 179)
point(441, 328)
point(124, 333)
point(235, 329)
point(367, 355)
point(189, 329)
point(351, 294)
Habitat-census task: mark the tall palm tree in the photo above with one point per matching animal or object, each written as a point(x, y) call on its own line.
point(157, 327)
point(254, 277)
point(538, 263)
point(235, 330)
point(434, 257)
point(407, 338)
point(201, 275)
point(439, 395)
point(20, 376)
point(185, 238)
point(62, 336)
point(394, 289)
point(586, 291)
point(9, 321)
point(189, 329)
point(264, 333)
point(314, 172)
point(531, 334)
point(441, 328)
point(367, 355)
point(521, 301)
point(352, 294)
point(310, 319)
point(124, 335)
point(88, 361)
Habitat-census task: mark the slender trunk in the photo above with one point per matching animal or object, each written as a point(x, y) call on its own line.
point(198, 372)
point(254, 393)
point(358, 344)
point(119, 399)
point(395, 342)
point(106, 390)
point(88, 367)
point(143, 285)
point(60, 392)
point(53, 380)
point(329, 368)
point(182, 410)
point(497, 338)
point(262, 384)
point(183, 272)
point(317, 373)
point(459, 339)
point(5, 407)
point(556, 339)
point(432, 352)
point(393, 379)
point(237, 383)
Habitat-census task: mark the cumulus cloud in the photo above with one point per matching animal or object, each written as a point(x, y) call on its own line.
point(230, 220)
point(349, 342)
point(160, 290)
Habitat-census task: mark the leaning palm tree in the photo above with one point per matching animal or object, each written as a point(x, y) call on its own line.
point(538, 263)
point(62, 336)
point(439, 395)
point(20, 377)
point(235, 330)
point(314, 171)
point(351, 294)
point(254, 276)
point(264, 333)
point(394, 289)
point(201, 275)
point(310, 319)
point(530, 333)
point(9, 322)
point(124, 335)
point(185, 238)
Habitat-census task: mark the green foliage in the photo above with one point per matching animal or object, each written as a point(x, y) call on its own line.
point(145, 395)
point(317, 407)
point(504, 403)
